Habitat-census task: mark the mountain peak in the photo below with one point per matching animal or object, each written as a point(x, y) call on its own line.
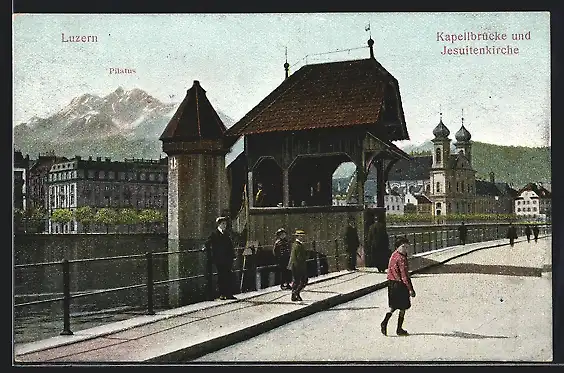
point(119, 91)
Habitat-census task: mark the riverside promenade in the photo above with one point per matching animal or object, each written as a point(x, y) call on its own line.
point(188, 333)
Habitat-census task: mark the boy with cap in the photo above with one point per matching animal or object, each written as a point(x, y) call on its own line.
point(297, 265)
point(399, 286)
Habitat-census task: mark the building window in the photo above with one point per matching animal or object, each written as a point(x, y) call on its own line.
point(462, 186)
point(518, 209)
point(111, 175)
point(528, 209)
point(152, 177)
point(122, 175)
point(518, 202)
point(131, 176)
point(142, 176)
point(534, 202)
point(457, 186)
point(101, 175)
point(534, 209)
point(438, 187)
point(438, 155)
point(91, 174)
point(448, 185)
point(393, 207)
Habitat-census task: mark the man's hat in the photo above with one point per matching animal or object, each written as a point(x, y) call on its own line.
point(220, 219)
point(299, 232)
point(281, 230)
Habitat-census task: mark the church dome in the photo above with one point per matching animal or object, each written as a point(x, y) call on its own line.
point(441, 131)
point(463, 135)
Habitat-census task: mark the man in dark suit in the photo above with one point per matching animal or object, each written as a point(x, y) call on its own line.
point(222, 253)
point(462, 232)
point(511, 234)
point(352, 243)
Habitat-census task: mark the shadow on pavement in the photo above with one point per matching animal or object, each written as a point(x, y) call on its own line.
point(352, 308)
point(487, 269)
point(463, 335)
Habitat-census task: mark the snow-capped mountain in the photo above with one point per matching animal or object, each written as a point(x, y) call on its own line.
point(121, 124)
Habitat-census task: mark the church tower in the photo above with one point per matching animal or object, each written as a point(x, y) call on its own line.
point(198, 190)
point(439, 172)
point(463, 143)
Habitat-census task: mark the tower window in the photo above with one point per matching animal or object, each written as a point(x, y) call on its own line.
point(438, 188)
point(438, 155)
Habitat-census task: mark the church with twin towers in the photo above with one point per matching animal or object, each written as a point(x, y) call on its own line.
point(447, 179)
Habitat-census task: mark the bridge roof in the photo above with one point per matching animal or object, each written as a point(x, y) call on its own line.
point(329, 95)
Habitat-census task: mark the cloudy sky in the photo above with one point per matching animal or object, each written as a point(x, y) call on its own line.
point(238, 59)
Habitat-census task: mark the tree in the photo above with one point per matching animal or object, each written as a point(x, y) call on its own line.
point(62, 216)
point(128, 216)
point(106, 216)
point(85, 216)
point(150, 217)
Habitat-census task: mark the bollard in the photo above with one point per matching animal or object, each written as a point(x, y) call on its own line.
point(66, 298)
point(150, 284)
point(258, 278)
point(337, 254)
point(414, 243)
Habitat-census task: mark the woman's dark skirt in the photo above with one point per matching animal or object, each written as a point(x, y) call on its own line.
point(398, 295)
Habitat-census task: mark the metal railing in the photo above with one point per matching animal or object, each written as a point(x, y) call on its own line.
point(325, 256)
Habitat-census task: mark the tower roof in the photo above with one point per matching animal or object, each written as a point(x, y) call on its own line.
point(462, 135)
point(195, 119)
point(441, 131)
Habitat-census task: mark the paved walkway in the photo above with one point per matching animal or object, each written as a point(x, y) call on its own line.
point(186, 333)
point(489, 305)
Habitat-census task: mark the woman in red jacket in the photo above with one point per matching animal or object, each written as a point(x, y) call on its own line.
point(400, 288)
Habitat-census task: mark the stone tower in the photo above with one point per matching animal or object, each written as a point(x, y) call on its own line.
point(198, 189)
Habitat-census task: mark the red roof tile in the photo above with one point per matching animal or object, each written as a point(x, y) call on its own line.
point(195, 119)
point(336, 94)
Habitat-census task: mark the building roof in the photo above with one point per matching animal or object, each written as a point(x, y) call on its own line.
point(329, 95)
point(539, 190)
point(487, 188)
point(416, 168)
point(195, 119)
point(421, 199)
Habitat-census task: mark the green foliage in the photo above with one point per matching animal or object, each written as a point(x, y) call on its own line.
point(84, 215)
point(151, 216)
point(127, 216)
point(62, 216)
point(106, 216)
point(450, 218)
point(511, 164)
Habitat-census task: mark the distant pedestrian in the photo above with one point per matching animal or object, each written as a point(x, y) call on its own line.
point(536, 232)
point(511, 234)
point(352, 243)
point(528, 232)
point(282, 254)
point(378, 246)
point(222, 253)
point(400, 288)
point(462, 233)
point(298, 265)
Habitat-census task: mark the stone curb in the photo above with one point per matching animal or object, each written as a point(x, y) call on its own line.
point(212, 345)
